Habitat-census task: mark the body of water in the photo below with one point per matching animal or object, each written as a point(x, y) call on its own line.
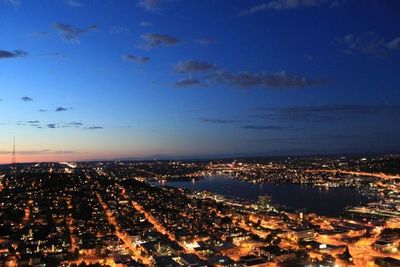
point(328, 202)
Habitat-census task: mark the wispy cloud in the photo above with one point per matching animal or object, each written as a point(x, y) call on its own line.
point(54, 125)
point(267, 80)
point(75, 123)
point(264, 127)
point(189, 82)
point(72, 124)
point(71, 33)
point(394, 43)
point(153, 40)
point(203, 41)
point(12, 54)
point(325, 113)
point(368, 43)
point(145, 24)
point(58, 109)
point(150, 5)
point(26, 99)
point(93, 128)
point(190, 66)
point(289, 4)
point(73, 3)
point(61, 125)
point(118, 30)
point(55, 55)
point(13, 2)
point(137, 59)
point(219, 121)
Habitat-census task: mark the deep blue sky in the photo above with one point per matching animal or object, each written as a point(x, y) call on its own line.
point(198, 78)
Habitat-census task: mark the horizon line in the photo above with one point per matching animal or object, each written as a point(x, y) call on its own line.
point(213, 157)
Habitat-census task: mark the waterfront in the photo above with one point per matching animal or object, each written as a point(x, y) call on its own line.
point(108, 218)
point(328, 202)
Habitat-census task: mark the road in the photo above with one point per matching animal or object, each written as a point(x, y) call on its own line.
point(370, 174)
point(121, 235)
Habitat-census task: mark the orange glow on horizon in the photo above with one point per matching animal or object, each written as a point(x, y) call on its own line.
point(73, 156)
point(6, 159)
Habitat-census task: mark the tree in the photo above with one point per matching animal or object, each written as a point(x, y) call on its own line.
point(276, 241)
point(346, 255)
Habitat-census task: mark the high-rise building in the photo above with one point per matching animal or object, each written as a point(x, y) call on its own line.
point(264, 202)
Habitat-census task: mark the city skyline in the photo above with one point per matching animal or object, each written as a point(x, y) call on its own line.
point(92, 80)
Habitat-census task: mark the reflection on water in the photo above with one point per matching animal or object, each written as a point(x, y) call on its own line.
point(327, 202)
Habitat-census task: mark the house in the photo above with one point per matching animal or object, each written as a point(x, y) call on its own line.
point(301, 234)
point(275, 253)
point(254, 261)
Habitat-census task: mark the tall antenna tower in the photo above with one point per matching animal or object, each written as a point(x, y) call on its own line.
point(14, 160)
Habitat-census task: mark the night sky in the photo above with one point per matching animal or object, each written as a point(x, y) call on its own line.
point(90, 79)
